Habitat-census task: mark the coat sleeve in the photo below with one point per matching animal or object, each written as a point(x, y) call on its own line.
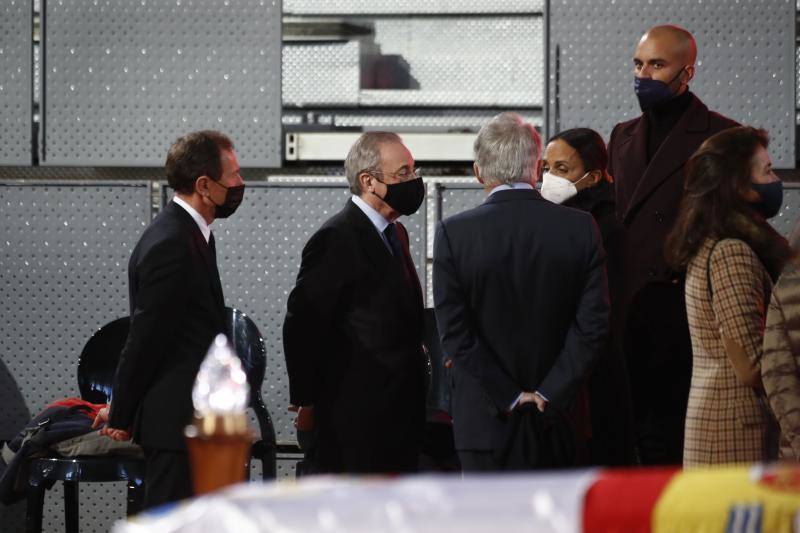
point(460, 340)
point(160, 291)
point(312, 305)
point(779, 370)
point(587, 333)
point(739, 302)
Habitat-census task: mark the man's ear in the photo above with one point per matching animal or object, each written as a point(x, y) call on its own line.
point(364, 180)
point(596, 176)
point(201, 185)
point(690, 73)
point(477, 173)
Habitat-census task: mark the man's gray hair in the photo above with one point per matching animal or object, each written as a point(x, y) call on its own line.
point(507, 150)
point(365, 155)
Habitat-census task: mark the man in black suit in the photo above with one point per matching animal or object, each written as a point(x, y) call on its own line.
point(354, 323)
point(519, 288)
point(177, 308)
point(646, 159)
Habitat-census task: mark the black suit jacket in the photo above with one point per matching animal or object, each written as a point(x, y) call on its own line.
point(521, 300)
point(648, 195)
point(177, 308)
point(352, 338)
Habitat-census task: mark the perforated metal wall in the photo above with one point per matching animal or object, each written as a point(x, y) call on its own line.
point(258, 253)
point(321, 74)
point(392, 7)
point(745, 68)
point(63, 273)
point(16, 71)
point(122, 79)
point(444, 119)
point(455, 199)
point(454, 61)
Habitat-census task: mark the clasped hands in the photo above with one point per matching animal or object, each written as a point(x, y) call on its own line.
point(101, 421)
point(526, 397)
point(533, 397)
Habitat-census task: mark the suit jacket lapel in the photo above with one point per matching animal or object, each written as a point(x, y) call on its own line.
point(203, 250)
point(377, 252)
point(684, 139)
point(632, 154)
point(403, 236)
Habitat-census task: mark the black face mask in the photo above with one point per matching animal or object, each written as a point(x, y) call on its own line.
point(233, 198)
point(652, 92)
point(404, 197)
point(771, 198)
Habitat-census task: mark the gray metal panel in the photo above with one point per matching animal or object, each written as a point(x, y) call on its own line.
point(101, 504)
point(63, 273)
point(409, 7)
point(123, 80)
point(16, 40)
point(462, 61)
point(745, 68)
point(258, 252)
point(321, 74)
point(443, 119)
point(455, 199)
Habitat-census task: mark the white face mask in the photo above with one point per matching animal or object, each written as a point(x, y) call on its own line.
point(557, 189)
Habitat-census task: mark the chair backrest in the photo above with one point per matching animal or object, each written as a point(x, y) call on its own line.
point(250, 347)
point(98, 360)
point(439, 390)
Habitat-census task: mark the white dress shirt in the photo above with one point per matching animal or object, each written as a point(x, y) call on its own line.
point(378, 220)
point(198, 218)
point(510, 186)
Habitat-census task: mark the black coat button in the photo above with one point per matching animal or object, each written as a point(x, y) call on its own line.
point(659, 217)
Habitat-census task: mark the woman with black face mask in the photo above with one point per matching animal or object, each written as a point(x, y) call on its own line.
point(732, 256)
point(574, 175)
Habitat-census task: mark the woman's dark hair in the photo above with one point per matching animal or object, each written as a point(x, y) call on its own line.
point(590, 147)
point(713, 205)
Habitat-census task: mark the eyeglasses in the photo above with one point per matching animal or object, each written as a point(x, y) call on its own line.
point(402, 174)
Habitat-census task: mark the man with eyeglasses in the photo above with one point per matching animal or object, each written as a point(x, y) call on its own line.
point(354, 324)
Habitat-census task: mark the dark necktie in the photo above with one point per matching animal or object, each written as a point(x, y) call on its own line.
point(402, 255)
point(212, 251)
point(212, 247)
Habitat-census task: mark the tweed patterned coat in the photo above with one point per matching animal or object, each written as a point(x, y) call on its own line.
point(780, 366)
point(726, 420)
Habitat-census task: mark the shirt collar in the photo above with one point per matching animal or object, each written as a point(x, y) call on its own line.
point(198, 218)
point(376, 218)
point(509, 186)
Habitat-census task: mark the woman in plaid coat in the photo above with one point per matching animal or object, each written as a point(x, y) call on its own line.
point(780, 367)
point(731, 256)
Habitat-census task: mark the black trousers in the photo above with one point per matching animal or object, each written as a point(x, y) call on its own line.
point(659, 356)
point(167, 477)
point(477, 461)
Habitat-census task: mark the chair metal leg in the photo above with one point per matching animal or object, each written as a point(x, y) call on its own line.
point(35, 509)
point(135, 498)
point(71, 507)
